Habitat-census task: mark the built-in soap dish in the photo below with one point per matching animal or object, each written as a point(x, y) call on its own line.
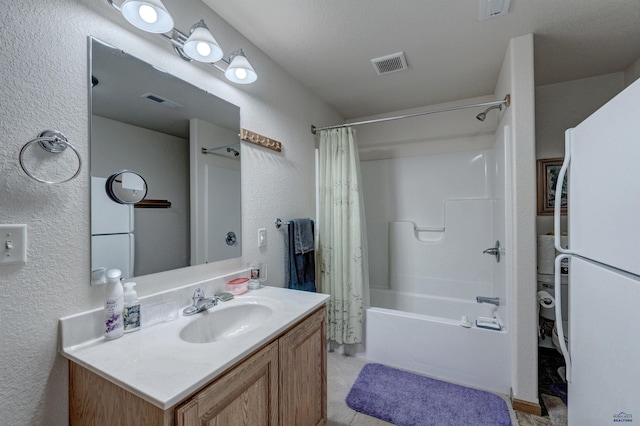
point(488, 323)
point(464, 322)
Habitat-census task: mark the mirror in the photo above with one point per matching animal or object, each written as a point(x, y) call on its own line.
point(183, 144)
point(126, 187)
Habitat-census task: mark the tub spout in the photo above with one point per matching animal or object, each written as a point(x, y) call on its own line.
point(492, 300)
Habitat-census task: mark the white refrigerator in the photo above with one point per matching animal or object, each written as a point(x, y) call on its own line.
point(112, 239)
point(602, 165)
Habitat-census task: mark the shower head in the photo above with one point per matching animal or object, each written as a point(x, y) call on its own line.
point(483, 115)
point(235, 153)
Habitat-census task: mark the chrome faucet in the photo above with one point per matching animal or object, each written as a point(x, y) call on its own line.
point(200, 303)
point(485, 299)
point(494, 251)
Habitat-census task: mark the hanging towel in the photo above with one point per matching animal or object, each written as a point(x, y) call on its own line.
point(301, 271)
point(303, 235)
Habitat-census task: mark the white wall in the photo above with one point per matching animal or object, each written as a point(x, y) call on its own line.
point(516, 78)
point(161, 235)
point(44, 86)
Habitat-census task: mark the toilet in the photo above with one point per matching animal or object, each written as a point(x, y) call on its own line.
point(546, 283)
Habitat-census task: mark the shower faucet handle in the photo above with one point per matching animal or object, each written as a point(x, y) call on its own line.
point(494, 251)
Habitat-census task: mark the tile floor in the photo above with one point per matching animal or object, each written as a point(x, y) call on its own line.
point(342, 372)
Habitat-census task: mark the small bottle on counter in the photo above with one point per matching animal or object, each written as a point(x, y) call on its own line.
point(131, 308)
point(113, 325)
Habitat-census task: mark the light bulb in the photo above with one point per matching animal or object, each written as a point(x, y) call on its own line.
point(240, 70)
point(148, 14)
point(240, 73)
point(203, 49)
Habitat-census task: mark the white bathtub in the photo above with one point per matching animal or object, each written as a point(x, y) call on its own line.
point(423, 334)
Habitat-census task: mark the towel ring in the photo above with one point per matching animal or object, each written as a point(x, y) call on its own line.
point(54, 142)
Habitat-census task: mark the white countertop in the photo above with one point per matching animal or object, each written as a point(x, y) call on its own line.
point(155, 364)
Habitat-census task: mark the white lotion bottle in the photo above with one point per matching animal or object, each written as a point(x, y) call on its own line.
point(113, 307)
point(131, 308)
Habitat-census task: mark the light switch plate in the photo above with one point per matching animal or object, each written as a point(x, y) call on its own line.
point(13, 244)
point(262, 237)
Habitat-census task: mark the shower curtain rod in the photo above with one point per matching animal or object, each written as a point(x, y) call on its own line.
point(506, 102)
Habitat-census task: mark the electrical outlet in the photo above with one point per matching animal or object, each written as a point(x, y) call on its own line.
point(13, 244)
point(262, 237)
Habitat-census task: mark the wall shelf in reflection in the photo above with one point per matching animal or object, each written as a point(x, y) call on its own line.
point(153, 204)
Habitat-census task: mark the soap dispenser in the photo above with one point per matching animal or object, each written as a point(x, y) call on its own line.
point(114, 326)
point(131, 308)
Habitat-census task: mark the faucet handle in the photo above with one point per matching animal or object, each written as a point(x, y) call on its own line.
point(197, 295)
point(494, 251)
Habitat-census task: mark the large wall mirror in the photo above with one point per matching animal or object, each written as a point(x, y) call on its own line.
point(183, 142)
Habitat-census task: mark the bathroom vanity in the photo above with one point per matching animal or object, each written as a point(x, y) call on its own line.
point(272, 374)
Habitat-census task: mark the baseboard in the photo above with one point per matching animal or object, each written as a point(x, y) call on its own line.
point(526, 407)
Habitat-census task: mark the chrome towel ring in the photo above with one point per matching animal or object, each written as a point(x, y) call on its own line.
point(54, 142)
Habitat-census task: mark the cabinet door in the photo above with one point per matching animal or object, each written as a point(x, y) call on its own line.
point(246, 396)
point(303, 373)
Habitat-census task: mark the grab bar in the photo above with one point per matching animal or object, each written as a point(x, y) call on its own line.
point(427, 229)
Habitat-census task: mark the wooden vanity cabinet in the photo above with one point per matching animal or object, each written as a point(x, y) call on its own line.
point(283, 383)
point(247, 395)
point(303, 378)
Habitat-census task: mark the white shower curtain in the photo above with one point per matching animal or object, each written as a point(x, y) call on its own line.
point(343, 271)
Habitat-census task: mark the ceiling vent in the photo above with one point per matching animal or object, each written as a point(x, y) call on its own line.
point(163, 101)
point(390, 63)
point(493, 8)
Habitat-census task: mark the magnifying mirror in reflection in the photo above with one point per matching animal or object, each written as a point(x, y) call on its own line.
point(126, 187)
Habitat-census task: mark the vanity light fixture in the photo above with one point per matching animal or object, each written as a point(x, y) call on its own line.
point(148, 15)
point(201, 46)
point(198, 45)
point(240, 70)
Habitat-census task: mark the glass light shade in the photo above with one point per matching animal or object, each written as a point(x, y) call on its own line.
point(201, 46)
point(148, 15)
point(240, 70)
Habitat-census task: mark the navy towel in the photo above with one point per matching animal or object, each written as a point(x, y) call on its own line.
point(301, 270)
point(303, 235)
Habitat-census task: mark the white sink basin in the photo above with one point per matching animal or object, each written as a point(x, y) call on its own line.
point(226, 322)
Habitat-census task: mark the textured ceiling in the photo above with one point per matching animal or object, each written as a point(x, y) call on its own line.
point(327, 45)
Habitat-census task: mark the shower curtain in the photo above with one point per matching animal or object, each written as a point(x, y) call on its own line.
point(343, 269)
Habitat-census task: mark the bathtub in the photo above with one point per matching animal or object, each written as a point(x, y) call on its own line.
point(423, 334)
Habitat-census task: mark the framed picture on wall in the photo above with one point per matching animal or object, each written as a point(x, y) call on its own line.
point(548, 170)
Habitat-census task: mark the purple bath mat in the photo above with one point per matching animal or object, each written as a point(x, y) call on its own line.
point(407, 399)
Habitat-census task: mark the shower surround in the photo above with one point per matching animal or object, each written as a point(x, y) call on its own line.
point(429, 218)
